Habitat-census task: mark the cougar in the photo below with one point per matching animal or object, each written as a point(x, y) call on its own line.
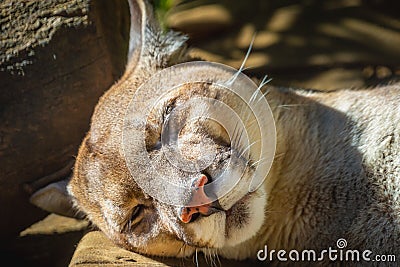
point(331, 160)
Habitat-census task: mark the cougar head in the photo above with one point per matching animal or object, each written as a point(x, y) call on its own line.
point(176, 153)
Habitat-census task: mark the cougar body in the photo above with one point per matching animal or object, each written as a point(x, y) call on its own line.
point(336, 171)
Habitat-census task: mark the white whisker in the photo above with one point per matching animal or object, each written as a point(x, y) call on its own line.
point(214, 255)
point(258, 162)
point(196, 259)
point(212, 259)
point(263, 82)
point(234, 77)
point(234, 134)
point(253, 96)
point(240, 136)
point(219, 261)
point(206, 256)
point(247, 68)
point(182, 250)
point(250, 124)
point(263, 95)
point(248, 147)
point(288, 106)
point(279, 155)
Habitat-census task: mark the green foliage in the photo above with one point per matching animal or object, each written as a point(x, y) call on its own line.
point(163, 5)
point(161, 8)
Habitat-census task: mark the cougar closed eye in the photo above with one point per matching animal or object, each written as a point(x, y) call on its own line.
point(134, 219)
point(168, 109)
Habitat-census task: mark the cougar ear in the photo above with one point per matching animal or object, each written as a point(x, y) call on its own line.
point(54, 198)
point(149, 46)
point(141, 13)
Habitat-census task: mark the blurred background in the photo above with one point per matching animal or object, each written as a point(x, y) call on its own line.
point(58, 57)
point(316, 44)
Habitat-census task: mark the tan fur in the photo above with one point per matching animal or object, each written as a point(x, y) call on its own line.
point(336, 172)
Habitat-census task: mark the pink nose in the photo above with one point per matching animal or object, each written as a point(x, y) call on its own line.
point(200, 202)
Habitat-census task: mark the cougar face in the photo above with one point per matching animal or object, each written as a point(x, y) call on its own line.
point(121, 209)
point(325, 180)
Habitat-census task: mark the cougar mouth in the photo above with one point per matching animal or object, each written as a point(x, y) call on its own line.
point(200, 203)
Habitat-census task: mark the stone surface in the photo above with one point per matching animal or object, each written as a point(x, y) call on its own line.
point(72, 55)
point(95, 249)
point(55, 224)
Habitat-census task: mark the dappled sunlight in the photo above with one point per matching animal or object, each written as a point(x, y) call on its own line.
point(295, 42)
point(283, 19)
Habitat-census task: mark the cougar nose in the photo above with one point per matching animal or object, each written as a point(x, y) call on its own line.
point(202, 203)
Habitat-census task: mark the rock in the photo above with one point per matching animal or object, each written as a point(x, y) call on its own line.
point(55, 224)
point(57, 59)
point(95, 249)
